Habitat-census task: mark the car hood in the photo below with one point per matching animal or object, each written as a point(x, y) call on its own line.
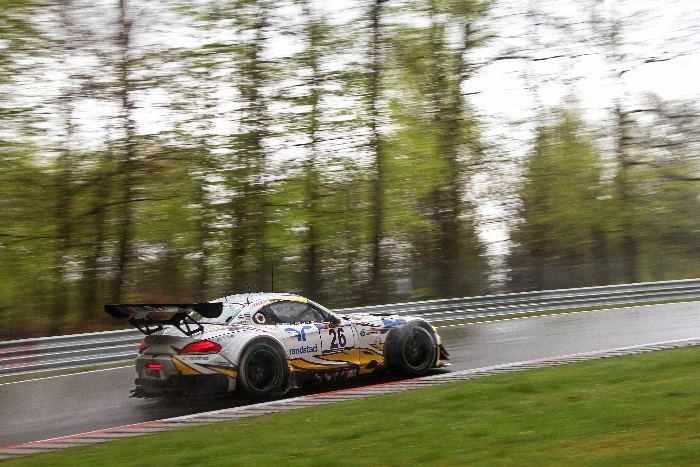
point(388, 320)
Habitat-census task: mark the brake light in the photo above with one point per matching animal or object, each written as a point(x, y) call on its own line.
point(142, 347)
point(201, 347)
point(154, 366)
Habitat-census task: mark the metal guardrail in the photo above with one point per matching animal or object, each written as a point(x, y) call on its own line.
point(27, 356)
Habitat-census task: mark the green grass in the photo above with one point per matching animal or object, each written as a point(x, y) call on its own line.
point(642, 409)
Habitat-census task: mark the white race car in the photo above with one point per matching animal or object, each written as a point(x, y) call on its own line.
point(267, 343)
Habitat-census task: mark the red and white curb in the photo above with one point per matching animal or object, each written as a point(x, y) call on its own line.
point(284, 405)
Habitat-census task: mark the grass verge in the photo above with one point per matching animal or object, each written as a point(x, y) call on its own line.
point(642, 409)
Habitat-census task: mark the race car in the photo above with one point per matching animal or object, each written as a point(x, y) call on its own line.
point(266, 343)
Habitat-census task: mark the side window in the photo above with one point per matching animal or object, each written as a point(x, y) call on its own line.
point(294, 312)
point(321, 315)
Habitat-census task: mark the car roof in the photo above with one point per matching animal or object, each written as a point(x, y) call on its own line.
point(250, 298)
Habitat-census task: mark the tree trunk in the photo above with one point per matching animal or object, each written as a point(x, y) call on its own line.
point(378, 286)
point(126, 169)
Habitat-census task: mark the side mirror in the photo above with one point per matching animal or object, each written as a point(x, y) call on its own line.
point(334, 320)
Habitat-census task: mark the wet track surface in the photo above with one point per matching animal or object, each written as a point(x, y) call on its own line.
point(67, 405)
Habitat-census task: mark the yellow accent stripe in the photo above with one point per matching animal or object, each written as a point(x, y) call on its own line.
point(184, 369)
point(229, 373)
point(290, 299)
point(300, 364)
point(366, 357)
point(341, 357)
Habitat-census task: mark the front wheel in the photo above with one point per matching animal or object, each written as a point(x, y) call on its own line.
point(261, 371)
point(414, 351)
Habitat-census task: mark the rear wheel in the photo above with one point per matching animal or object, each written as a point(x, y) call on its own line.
point(262, 370)
point(413, 351)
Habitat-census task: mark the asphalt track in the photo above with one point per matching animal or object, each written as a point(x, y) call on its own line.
point(66, 405)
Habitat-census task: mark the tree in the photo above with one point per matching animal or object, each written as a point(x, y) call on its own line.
point(611, 26)
point(250, 257)
point(128, 157)
point(443, 136)
point(563, 206)
point(666, 185)
point(377, 49)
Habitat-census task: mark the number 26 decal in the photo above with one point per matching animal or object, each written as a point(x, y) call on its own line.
point(338, 338)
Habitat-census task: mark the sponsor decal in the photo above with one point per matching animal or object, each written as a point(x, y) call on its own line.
point(377, 345)
point(326, 376)
point(347, 374)
point(300, 332)
point(195, 358)
point(371, 325)
point(392, 322)
point(304, 350)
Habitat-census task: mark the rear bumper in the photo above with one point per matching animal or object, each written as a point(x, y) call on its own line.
point(198, 374)
point(190, 384)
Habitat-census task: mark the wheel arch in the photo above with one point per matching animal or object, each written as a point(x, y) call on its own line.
point(275, 344)
point(267, 339)
point(234, 351)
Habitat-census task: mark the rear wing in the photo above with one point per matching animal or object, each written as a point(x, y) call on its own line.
point(150, 318)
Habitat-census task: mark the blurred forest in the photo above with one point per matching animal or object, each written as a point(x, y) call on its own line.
point(176, 151)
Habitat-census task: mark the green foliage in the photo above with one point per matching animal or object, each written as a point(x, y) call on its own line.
point(563, 190)
point(435, 141)
point(564, 207)
point(188, 151)
point(23, 273)
point(666, 184)
point(582, 226)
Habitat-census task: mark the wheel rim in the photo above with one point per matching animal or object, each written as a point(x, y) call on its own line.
point(262, 371)
point(417, 350)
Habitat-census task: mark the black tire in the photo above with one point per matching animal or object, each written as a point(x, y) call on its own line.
point(412, 351)
point(262, 371)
